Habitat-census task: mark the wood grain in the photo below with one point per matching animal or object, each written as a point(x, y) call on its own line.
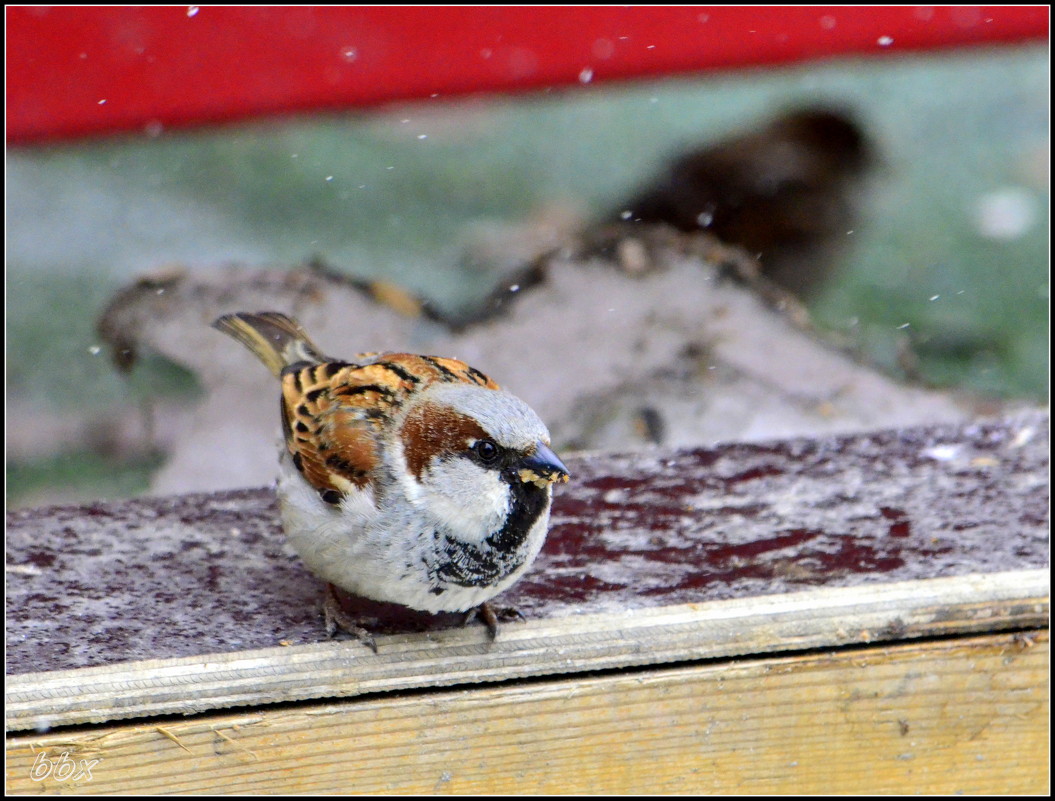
point(190, 575)
point(819, 618)
point(677, 636)
point(963, 715)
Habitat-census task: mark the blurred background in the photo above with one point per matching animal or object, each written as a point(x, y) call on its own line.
point(949, 252)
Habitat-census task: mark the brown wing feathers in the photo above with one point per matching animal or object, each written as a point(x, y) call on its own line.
point(330, 436)
point(333, 412)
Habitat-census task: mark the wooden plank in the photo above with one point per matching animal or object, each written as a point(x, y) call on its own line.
point(948, 716)
point(189, 575)
point(814, 619)
point(189, 604)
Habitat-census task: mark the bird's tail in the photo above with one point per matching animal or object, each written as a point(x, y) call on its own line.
point(277, 340)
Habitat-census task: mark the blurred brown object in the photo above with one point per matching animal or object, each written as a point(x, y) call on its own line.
point(784, 192)
point(621, 339)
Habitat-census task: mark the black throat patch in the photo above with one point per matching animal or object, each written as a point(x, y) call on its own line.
point(470, 565)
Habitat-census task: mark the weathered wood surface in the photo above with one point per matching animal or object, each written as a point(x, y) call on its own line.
point(634, 637)
point(963, 715)
point(195, 574)
point(640, 543)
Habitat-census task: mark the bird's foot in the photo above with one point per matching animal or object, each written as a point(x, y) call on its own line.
point(490, 617)
point(336, 618)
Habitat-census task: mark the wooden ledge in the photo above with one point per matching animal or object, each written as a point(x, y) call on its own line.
point(192, 603)
point(821, 618)
point(950, 716)
point(688, 605)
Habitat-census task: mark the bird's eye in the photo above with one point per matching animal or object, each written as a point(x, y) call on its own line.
point(486, 451)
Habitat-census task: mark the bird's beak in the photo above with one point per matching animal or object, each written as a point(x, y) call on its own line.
point(543, 467)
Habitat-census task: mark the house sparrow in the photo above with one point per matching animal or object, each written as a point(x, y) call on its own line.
point(404, 479)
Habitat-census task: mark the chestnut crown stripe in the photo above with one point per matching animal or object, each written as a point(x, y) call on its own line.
point(335, 410)
point(432, 430)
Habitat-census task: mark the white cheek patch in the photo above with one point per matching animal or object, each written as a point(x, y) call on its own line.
point(466, 499)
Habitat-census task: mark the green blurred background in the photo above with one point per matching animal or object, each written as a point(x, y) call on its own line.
point(952, 250)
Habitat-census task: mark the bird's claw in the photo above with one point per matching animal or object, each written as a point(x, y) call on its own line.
point(336, 618)
point(490, 617)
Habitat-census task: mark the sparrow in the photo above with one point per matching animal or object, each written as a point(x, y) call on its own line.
point(405, 479)
point(785, 192)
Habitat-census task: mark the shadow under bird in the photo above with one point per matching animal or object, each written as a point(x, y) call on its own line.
point(404, 479)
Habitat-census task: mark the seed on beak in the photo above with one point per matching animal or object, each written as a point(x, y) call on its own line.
point(542, 468)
